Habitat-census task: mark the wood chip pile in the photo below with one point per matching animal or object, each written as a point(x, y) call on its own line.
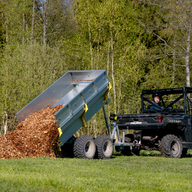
point(36, 136)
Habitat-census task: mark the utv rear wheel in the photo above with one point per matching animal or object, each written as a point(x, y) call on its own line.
point(104, 146)
point(171, 146)
point(84, 147)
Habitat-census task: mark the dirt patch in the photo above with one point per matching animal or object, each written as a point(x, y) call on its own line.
point(36, 136)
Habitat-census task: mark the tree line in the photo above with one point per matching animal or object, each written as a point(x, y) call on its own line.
point(143, 44)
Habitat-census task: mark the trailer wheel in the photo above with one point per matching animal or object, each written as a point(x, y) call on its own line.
point(171, 146)
point(104, 146)
point(84, 147)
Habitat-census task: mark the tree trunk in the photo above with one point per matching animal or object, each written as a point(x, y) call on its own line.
point(33, 22)
point(108, 61)
point(112, 72)
point(119, 94)
point(23, 40)
point(108, 58)
point(187, 57)
point(45, 6)
point(98, 44)
point(7, 37)
point(90, 44)
point(174, 62)
point(5, 119)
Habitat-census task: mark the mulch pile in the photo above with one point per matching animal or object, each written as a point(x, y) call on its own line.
point(36, 136)
point(82, 80)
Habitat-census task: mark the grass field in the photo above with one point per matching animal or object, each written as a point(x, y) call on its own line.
point(147, 172)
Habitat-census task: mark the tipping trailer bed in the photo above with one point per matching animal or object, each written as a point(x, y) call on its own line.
point(83, 94)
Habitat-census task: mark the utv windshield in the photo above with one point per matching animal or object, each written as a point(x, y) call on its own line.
point(167, 100)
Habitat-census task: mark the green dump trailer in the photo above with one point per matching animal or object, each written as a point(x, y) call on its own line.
point(83, 93)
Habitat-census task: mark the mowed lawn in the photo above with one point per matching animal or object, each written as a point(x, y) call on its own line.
point(147, 172)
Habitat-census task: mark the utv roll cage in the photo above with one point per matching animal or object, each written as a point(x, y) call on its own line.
point(178, 94)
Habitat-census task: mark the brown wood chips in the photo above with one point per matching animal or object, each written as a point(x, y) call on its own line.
point(36, 136)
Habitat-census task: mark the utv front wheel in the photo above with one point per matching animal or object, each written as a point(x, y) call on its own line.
point(171, 146)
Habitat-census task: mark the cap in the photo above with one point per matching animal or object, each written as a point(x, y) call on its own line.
point(156, 94)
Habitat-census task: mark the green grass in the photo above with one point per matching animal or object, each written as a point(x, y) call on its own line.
point(148, 172)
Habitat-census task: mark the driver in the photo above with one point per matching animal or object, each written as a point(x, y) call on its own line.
point(156, 101)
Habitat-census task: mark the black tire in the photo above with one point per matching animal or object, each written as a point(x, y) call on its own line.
point(84, 147)
point(171, 146)
point(104, 146)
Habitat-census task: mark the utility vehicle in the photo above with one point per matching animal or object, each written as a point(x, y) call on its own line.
point(167, 129)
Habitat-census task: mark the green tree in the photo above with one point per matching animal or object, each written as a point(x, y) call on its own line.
point(25, 73)
point(57, 20)
point(110, 37)
point(27, 66)
point(2, 25)
point(115, 43)
point(173, 30)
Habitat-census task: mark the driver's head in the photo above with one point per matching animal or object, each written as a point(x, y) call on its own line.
point(156, 98)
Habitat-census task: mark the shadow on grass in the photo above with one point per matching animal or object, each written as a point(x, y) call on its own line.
point(142, 153)
point(151, 154)
point(188, 155)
